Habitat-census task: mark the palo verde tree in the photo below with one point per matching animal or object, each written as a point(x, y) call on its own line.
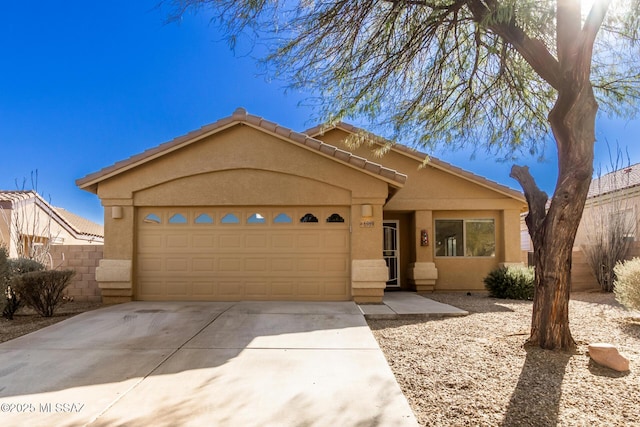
point(506, 75)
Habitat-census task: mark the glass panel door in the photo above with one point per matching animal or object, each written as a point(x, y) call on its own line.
point(391, 251)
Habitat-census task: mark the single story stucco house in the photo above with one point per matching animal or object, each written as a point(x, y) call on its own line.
point(246, 209)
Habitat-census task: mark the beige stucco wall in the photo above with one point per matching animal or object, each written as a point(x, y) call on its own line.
point(240, 166)
point(431, 193)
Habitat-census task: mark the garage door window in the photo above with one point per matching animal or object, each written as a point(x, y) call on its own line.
point(203, 219)
point(152, 219)
point(230, 219)
point(309, 218)
point(282, 218)
point(256, 218)
point(335, 218)
point(178, 219)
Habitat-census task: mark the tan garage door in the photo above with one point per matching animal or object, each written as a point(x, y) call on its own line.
point(218, 254)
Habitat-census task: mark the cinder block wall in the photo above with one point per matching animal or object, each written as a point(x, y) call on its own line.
point(84, 260)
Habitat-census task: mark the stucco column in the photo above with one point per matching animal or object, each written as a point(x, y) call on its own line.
point(512, 250)
point(423, 273)
point(114, 273)
point(369, 272)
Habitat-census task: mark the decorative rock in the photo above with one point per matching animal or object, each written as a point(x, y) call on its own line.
point(607, 355)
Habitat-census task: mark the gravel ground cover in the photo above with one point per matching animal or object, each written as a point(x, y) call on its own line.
point(475, 370)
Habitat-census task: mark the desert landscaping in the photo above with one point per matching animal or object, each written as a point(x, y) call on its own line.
point(475, 371)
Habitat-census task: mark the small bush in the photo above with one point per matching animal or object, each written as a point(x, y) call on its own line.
point(24, 265)
point(627, 284)
point(4, 266)
point(42, 290)
point(12, 303)
point(511, 282)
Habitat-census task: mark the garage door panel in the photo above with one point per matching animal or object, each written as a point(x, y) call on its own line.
point(149, 265)
point(203, 265)
point(230, 241)
point(177, 241)
point(335, 265)
point(177, 288)
point(204, 241)
point(283, 240)
point(271, 257)
point(233, 289)
point(229, 264)
point(309, 264)
point(309, 288)
point(203, 288)
point(255, 264)
point(177, 265)
point(256, 289)
point(283, 288)
point(335, 288)
point(256, 241)
point(283, 264)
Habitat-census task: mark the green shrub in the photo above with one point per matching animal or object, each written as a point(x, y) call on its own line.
point(511, 282)
point(4, 266)
point(24, 265)
point(626, 286)
point(12, 303)
point(42, 290)
point(10, 268)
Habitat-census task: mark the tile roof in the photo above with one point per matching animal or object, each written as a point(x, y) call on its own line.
point(432, 161)
point(240, 116)
point(81, 227)
point(81, 224)
point(620, 179)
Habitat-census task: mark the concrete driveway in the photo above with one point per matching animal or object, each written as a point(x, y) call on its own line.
point(209, 364)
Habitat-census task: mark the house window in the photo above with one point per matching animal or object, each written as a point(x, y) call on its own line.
point(470, 238)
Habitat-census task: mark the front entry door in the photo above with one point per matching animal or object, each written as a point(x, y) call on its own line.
point(391, 251)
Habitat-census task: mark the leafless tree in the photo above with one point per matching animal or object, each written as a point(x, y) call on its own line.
point(609, 222)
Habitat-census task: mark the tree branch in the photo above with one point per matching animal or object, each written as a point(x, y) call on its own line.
point(532, 50)
point(536, 199)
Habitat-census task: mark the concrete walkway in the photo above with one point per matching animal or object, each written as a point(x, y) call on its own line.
point(398, 305)
point(203, 364)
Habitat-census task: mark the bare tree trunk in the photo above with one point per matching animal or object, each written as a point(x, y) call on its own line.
point(553, 232)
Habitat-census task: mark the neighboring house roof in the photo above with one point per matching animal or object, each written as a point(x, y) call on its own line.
point(240, 116)
point(79, 227)
point(620, 179)
point(422, 157)
point(80, 224)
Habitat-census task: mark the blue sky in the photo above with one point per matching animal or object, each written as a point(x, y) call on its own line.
point(86, 84)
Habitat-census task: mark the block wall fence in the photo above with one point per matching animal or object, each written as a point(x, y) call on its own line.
point(83, 259)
